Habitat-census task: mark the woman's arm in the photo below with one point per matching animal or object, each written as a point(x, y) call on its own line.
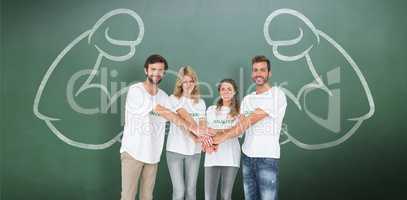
point(177, 120)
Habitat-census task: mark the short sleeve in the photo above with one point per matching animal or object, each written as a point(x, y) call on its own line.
point(276, 105)
point(136, 103)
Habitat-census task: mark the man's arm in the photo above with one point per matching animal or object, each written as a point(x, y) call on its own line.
point(243, 124)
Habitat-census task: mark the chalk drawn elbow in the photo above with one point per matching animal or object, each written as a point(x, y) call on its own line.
point(358, 73)
point(48, 74)
point(39, 114)
point(367, 115)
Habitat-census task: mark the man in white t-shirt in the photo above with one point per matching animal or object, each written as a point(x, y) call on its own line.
point(261, 120)
point(146, 111)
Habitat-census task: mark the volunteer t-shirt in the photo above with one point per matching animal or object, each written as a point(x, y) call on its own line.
point(262, 138)
point(144, 129)
point(178, 141)
point(228, 153)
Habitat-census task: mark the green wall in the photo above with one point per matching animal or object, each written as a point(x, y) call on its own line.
point(341, 63)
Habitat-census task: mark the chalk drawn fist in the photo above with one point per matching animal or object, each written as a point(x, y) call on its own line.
point(327, 82)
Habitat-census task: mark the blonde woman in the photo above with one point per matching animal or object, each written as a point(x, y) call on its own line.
point(222, 164)
point(183, 148)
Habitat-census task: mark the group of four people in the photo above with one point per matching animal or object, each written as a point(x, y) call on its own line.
point(195, 128)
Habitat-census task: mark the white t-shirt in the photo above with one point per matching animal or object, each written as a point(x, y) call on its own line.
point(262, 138)
point(228, 153)
point(178, 141)
point(144, 130)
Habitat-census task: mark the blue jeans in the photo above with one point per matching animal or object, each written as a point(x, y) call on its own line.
point(260, 178)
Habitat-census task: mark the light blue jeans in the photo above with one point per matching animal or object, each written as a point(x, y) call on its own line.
point(184, 174)
point(260, 180)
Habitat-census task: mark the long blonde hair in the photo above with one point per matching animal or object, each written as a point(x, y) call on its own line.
point(187, 71)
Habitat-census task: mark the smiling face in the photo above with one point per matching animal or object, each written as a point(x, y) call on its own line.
point(188, 85)
point(260, 73)
point(226, 91)
point(155, 72)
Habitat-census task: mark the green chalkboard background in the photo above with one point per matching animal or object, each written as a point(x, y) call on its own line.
point(348, 143)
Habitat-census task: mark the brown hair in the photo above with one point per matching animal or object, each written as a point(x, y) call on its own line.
point(155, 58)
point(187, 71)
point(234, 106)
point(257, 59)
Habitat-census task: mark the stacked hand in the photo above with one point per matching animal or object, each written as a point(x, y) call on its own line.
point(206, 140)
point(207, 143)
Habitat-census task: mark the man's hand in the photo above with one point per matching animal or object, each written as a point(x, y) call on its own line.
point(211, 149)
point(219, 138)
point(206, 141)
point(207, 144)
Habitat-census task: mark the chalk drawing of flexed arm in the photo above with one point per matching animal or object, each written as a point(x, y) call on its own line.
point(332, 123)
point(67, 66)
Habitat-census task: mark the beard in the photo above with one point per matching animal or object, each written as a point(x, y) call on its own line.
point(151, 80)
point(259, 80)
